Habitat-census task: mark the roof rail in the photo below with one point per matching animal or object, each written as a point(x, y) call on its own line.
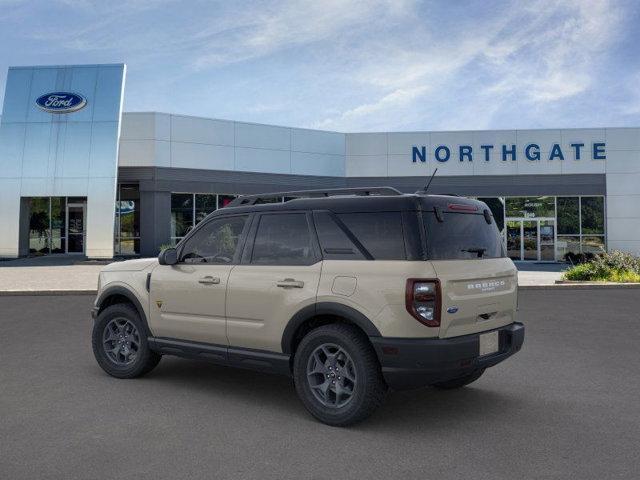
point(245, 200)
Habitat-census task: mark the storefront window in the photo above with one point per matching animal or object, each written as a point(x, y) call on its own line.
point(567, 244)
point(592, 213)
point(181, 214)
point(58, 224)
point(127, 231)
point(205, 204)
point(593, 244)
point(224, 200)
point(530, 207)
point(49, 224)
point(189, 209)
point(568, 216)
point(39, 225)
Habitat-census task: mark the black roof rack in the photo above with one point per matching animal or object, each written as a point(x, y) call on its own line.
point(246, 200)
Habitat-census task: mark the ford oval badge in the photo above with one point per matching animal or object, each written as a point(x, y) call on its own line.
point(452, 309)
point(61, 102)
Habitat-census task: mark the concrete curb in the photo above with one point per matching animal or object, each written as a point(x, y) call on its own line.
point(17, 293)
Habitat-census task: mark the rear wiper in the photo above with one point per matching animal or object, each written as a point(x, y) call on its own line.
point(479, 251)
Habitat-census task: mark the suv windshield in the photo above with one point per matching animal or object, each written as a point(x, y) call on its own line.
point(461, 236)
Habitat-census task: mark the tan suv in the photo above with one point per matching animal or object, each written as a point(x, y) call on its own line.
point(349, 291)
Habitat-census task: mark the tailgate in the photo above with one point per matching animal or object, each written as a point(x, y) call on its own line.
point(477, 295)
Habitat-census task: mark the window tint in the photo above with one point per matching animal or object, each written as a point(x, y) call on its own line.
point(379, 232)
point(335, 244)
point(283, 239)
point(462, 236)
point(215, 242)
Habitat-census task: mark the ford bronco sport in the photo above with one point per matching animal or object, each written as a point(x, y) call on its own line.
point(351, 292)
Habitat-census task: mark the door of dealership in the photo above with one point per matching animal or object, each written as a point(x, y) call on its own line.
point(531, 239)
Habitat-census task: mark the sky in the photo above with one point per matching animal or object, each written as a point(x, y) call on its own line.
point(350, 65)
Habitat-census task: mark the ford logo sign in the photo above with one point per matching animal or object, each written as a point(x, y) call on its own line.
point(452, 310)
point(61, 102)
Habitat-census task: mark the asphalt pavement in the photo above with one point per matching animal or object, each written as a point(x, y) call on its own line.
point(567, 406)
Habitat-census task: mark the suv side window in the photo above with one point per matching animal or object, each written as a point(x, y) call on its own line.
point(216, 242)
point(380, 233)
point(283, 239)
point(334, 242)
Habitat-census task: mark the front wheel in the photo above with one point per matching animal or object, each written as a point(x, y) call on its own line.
point(120, 343)
point(337, 375)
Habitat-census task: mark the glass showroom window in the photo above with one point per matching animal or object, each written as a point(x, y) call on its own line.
point(189, 209)
point(530, 207)
point(127, 228)
point(580, 225)
point(48, 224)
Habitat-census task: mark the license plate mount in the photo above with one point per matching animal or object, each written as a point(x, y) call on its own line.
point(489, 343)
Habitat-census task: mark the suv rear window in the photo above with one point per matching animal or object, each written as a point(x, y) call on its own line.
point(462, 236)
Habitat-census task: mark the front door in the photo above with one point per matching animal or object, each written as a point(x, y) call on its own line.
point(279, 276)
point(75, 227)
point(187, 300)
point(531, 239)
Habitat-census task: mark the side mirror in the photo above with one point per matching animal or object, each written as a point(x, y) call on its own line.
point(168, 256)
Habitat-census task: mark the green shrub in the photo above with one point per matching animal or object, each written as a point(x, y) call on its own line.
point(607, 267)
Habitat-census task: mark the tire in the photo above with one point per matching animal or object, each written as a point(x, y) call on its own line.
point(132, 357)
point(460, 381)
point(360, 384)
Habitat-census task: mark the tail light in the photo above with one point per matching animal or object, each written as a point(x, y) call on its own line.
point(422, 299)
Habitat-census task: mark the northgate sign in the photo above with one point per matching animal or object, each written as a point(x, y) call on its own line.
point(531, 152)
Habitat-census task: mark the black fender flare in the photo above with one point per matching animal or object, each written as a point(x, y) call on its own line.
point(326, 308)
point(120, 290)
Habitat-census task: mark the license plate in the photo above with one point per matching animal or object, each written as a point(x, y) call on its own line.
point(489, 343)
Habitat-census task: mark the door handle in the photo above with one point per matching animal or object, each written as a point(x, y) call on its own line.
point(209, 280)
point(290, 283)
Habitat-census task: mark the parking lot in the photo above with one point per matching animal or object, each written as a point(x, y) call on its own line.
point(567, 406)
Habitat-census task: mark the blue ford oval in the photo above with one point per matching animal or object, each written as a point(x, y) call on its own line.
point(61, 102)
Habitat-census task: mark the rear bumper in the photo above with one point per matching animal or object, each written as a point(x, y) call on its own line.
point(416, 362)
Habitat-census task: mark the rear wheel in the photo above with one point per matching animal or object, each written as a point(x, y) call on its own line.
point(337, 375)
point(120, 343)
point(460, 381)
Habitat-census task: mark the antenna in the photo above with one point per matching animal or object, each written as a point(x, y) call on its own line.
point(424, 190)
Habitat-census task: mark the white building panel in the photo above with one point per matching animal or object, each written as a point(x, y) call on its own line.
point(263, 160)
point(139, 126)
point(623, 139)
point(303, 163)
point(202, 130)
point(314, 141)
point(254, 135)
point(366, 144)
point(199, 155)
point(366, 166)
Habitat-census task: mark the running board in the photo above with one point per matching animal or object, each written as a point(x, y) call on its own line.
point(259, 360)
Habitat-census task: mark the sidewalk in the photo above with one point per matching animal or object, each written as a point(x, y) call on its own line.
point(537, 274)
point(60, 275)
point(55, 275)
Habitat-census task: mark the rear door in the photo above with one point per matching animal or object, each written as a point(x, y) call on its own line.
point(188, 299)
point(278, 276)
point(478, 282)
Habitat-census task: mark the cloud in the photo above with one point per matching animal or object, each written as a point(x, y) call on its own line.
point(535, 55)
point(348, 65)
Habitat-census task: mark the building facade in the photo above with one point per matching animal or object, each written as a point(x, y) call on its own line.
point(552, 191)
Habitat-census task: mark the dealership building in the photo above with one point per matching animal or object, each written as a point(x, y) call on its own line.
point(80, 176)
